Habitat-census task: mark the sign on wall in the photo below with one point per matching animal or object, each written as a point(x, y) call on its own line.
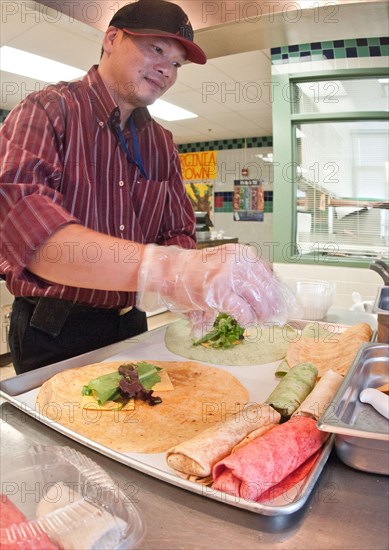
point(248, 202)
point(198, 166)
point(201, 197)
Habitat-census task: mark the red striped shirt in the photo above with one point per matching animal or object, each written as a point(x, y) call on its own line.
point(61, 162)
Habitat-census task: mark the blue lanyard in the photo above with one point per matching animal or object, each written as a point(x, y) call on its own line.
point(123, 143)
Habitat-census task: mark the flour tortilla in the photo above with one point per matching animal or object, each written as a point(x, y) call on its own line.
point(202, 395)
point(198, 455)
point(336, 352)
point(262, 344)
point(269, 459)
point(321, 396)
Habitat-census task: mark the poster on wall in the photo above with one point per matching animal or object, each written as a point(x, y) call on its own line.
point(198, 171)
point(198, 166)
point(201, 197)
point(248, 201)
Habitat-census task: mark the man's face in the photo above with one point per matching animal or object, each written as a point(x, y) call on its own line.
point(141, 68)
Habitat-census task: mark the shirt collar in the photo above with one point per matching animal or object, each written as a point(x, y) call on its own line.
point(104, 103)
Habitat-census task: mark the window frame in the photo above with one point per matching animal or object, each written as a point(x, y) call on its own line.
point(285, 249)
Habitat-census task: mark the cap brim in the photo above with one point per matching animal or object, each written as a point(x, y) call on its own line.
point(193, 52)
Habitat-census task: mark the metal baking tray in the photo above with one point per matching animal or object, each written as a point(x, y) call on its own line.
point(21, 391)
point(361, 433)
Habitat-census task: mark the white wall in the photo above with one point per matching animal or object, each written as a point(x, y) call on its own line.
point(347, 279)
point(230, 163)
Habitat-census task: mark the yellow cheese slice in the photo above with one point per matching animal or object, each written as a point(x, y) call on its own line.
point(165, 384)
point(89, 402)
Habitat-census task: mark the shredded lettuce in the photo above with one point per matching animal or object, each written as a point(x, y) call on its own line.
point(104, 388)
point(130, 380)
point(225, 333)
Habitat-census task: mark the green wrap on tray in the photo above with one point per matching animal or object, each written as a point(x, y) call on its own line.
point(293, 389)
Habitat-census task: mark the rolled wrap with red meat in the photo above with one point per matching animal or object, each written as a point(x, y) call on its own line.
point(194, 458)
point(267, 460)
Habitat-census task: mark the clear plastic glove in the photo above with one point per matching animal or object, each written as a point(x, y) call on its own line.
point(201, 283)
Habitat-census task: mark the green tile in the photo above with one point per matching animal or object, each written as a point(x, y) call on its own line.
point(373, 41)
point(340, 53)
point(327, 45)
point(363, 51)
point(385, 50)
point(350, 43)
point(294, 56)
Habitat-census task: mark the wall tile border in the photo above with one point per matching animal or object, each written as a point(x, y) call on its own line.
point(220, 145)
point(331, 49)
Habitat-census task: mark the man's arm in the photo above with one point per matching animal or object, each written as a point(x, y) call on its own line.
point(80, 257)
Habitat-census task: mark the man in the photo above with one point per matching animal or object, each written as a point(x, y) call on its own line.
point(93, 208)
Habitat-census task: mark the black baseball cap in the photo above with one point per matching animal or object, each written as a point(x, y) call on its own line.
point(159, 18)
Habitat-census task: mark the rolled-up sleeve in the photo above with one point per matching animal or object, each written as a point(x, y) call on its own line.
point(30, 176)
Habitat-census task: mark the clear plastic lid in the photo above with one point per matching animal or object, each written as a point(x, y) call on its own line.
point(67, 500)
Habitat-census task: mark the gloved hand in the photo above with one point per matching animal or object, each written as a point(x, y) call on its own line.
point(201, 283)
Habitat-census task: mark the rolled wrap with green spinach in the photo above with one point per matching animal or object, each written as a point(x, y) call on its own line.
point(293, 389)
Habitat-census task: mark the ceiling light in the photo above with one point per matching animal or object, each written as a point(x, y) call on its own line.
point(266, 158)
point(167, 111)
point(35, 66)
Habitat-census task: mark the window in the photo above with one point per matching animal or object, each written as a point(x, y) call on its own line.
point(333, 186)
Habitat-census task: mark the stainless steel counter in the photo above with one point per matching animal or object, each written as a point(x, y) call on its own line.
point(348, 509)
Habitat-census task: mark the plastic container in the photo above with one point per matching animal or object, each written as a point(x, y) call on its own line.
point(68, 497)
point(315, 298)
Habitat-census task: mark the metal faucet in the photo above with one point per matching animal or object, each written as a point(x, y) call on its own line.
point(382, 269)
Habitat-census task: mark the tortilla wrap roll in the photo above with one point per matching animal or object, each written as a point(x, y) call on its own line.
point(196, 456)
point(289, 482)
point(282, 369)
point(269, 459)
point(293, 389)
point(320, 397)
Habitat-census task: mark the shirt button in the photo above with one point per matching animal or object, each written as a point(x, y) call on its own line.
point(121, 228)
point(121, 183)
point(101, 123)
